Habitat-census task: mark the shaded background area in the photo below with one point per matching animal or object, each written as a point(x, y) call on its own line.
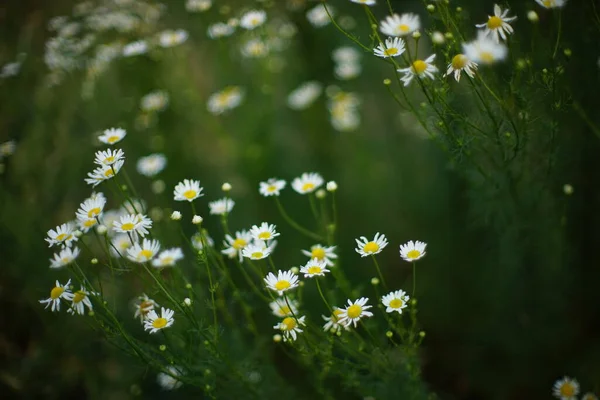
point(508, 290)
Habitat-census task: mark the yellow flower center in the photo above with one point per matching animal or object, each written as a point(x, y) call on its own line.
point(459, 61)
point(413, 254)
point(127, 226)
point(167, 260)
point(56, 292)
point(79, 296)
point(336, 315)
point(94, 212)
point(371, 247)
point(257, 254)
point(66, 260)
point(486, 57)
point(396, 303)
point(189, 194)
point(113, 139)
point(567, 390)
point(282, 285)
point(108, 173)
point(419, 66)
point(89, 223)
point(264, 235)
point(308, 186)
point(318, 253)
point(146, 253)
point(548, 3)
point(289, 323)
point(272, 188)
point(284, 310)
point(254, 21)
point(404, 28)
point(354, 311)
point(391, 51)
point(314, 270)
point(146, 306)
point(159, 323)
point(109, 160)
point(494, 22)
point(239, 244)
point(61, 237)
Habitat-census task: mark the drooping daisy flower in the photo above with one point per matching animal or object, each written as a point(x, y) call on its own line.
point(198, 5)
point(225, 100)
point(551, 3)
point(143, 306)
point(400, 25)
point(56, 294)
point(167, 258)
point(281, 309)
point(265, 232)
point(234, 246)
point(460, 63)
point(317, 16)
point(109, 157)
point(498, 25)
point(307, 183)
point(256, 250)
point(146, 252)
point(65, 257)
point(112, 135)
point(168, 380)
point(253, 19)
point(281, 282)
point(420, 68)
point(393, 47)
point(222, 206)
point(271, 187)
point(219, 30)
point(290, 327)
point(395, 301)
point(354, 312)
point(332, 323)
point(365, 2)
point(103, 173)
point(63, 235)
point(135, 48)
point(484, 50)
point(151, 165)
point(321, 253)
point(566, 389)
point(304, 95)
point(133, 224)
point(314, 268)
point(369, 248)
point(171, 38)
point(198, 237)
point(412, 251)
point(119, 245)
point(188, 190)
point(154, 323)
point(80, 299)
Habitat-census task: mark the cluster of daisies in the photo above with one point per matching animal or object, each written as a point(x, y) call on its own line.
point(568, 389)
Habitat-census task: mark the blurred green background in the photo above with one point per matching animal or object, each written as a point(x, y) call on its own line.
point(508, 290)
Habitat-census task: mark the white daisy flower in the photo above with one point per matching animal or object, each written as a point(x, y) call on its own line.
point(314, 268)
point(394, 47)
point(589, 396)
point(551, 3)
point(7, 148)
point(369, 248)
point(103, 173)
point(154, 323)
point(170, 38)
point(281, 309)
point(197, 240)
point(484, 50)
point(224, 100)
point(256, 250)
point(63, 235)
point(135, 48)
point(400, 25)
point(332, 323)
point(222, 206)
point(65, 257)
point(112, 135)
point(290, 327)
point(168, 258)
point(109, 157)
point(354, 312)
point(498, 25)
point(395, 301)
point(56, 294)
point(345, 55)
point(151, 165)
point(234, 246)
point(198, 5)
point(92, 207)
point(347, 71)
point(169, 381)
point(304, 95)
point(143, 306)
point(281, 282)
point(264, 232)
point(420, 68)
point(188, 190)
point(80, 299)
point(321, 253)
point(365, 2)
point(154, 101)
point(255, 48)
point(253, 19)
point(460, 63)
point(307, 183)
point(271, 187)
point(317, 16)
point(413, 251)
point(146, 252)
point(133, 224)
point(219, 30)
point(119, 245)
point(566, 389)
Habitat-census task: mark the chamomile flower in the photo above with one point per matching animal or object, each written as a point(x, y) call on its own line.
point(498, 25)
point(314, 268)
point(63, 235)
point(119, 245)
point(566, 389)
point(253, 19)
point(307, 183)
point(413, 251)
point(154, 323)
point(92, 207)
point(484, 50)
point(143, 306)
point(318, 17)
point(188, 190)
point(222, 206)
point(109, 157)
point(281, 309)
point(225, 100)
point(271, 187)
point(112, 135)
point(255, 48)
point(354, 312)
point(146, 252)
point(171, 38)
point(393, 47)
point(345, 55)
point(265, 232)
point(135, 48)
point(198, 238)
point(395, 301)
point(198, 5)
point(56, 294)
point(371, 247)
point(460, 63)
point(256, 250)
point(332, 323)
point(168, 380)
point(551, 3)
point(133, 224)
point(290, 327)
point(281, 282)
point(420, 68)
point(400, 25)
point(219, 30)
point(151, 165)
point(589, 396)
point(235, 245)
point(321, 253)
point(168, 258)
point(365, 2)
point(80, 299)
point(304, 95)
point(65, 257)
point(154, 101)
point(103, 173)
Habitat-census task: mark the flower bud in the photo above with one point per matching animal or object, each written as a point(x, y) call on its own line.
point(176, 216)
point(416, 34)
point(226, 187)
point(374, 281)
point(101, 229)
point(532, 16)
point(197, 220)
point(321, 194)
point(332, 185)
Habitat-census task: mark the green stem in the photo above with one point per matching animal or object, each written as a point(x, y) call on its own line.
point(379, 272)
point(294, 224)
